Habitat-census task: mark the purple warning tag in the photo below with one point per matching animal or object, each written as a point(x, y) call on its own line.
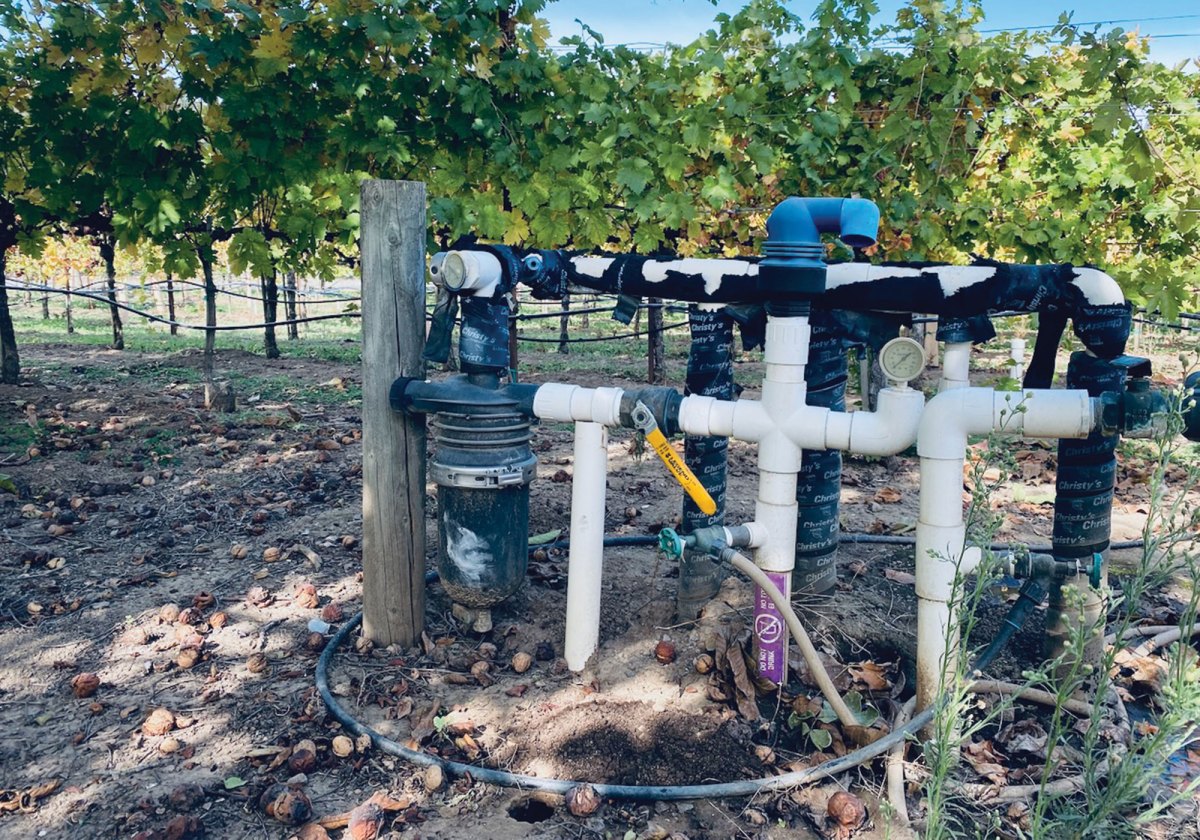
point(771, 631)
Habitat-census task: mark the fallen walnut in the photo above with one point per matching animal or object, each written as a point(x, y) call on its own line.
point(664, 652)
point(84, 685)
point(160, 722)
point(302, 761)
point(287, 804)
point(186, 797)
point(184, 827)
point(433, 778)
point(847, 812)
point(582, 800)
point(365, 822)
point(306, 596)
point(522, 662)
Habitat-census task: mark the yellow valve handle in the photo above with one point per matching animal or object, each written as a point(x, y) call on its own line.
point(645, 422)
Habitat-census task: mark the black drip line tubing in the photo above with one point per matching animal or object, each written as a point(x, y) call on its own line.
point(642, 793)
point(598, 309)
point(638, 334)
point(332, 297)
point(201, 327)
point(843, 537)
point(1167, 325)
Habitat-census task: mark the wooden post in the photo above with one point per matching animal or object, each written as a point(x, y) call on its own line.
point(931, 343)
point(564, 321)
point(393, 325)
point(513, 344)
point(655, 357)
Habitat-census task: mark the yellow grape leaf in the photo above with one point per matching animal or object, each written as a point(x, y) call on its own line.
point(273, 44)
point(174, 32)
point(483, 67)
point(83, 84)
point(147, 50)
point(541, 31)
point(517, 231)
point(1069, 132)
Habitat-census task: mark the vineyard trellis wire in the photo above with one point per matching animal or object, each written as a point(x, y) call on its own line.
point(653, 334)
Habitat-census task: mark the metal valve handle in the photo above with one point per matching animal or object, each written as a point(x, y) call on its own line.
point(644, 422)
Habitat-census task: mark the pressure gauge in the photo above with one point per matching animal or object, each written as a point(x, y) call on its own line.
point(902, 359)
point(454, 271)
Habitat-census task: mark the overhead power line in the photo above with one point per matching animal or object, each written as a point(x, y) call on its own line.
point(1074, 24)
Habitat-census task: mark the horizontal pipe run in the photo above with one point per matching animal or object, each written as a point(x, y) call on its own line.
point(890, 429)
point(571, 403)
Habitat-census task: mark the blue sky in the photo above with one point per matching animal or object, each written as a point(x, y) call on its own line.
point(677, 21)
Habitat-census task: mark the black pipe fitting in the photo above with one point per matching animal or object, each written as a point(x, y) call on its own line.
point(1191, 407)
point(976, 329)
point(458, 394)
point(1056, 569)
point(663, 404)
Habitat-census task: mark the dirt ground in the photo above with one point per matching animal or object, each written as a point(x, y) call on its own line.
point(180, 557)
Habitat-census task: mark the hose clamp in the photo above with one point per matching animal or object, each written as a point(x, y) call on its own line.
point(483, 478)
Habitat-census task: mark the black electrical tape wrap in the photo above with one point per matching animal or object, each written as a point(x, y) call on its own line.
point(709, 374)
point(1086, 469)
point(819, 483)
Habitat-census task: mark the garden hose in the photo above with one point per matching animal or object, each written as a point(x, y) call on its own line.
point(644, 793)
point(845, 537)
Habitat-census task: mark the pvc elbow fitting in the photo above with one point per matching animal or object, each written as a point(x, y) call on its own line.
point(795, 219)
point(470, 272)
point(859, 222)
point(892, 427)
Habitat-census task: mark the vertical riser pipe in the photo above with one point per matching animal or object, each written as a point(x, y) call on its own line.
point(1083, 511)
point(709, 374)
point(585, 563)
point(818, 488)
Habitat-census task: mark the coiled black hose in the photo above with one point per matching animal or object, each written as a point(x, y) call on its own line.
point(846, 537)
point(647, 793)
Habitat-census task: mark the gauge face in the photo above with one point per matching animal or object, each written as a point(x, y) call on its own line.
point(454, 271)
point(902, 359)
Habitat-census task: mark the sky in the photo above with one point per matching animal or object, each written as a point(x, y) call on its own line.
point(1175, 23)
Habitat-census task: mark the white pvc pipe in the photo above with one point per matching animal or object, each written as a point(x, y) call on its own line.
point(566, 403)
point(941, 554)
point(956, 364)
point(470, 272)
point(783, 395)
point(891, 428)
point(1016, 371)
point(586, 555)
